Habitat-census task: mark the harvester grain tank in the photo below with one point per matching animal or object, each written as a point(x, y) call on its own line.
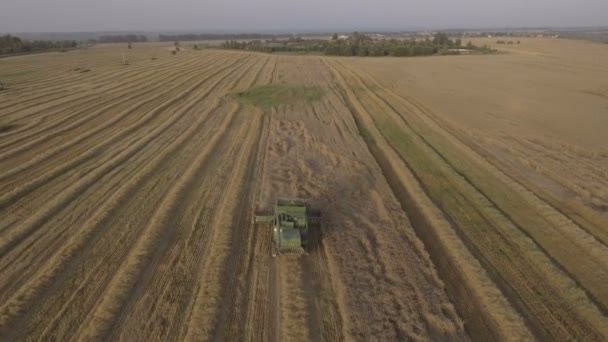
point(290, 221)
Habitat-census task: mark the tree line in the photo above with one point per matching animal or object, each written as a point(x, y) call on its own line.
point(361, 45)
point(11, 45)
point(211, 36)
point(126, 38)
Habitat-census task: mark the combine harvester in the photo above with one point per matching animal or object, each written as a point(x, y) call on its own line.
point(290, 223)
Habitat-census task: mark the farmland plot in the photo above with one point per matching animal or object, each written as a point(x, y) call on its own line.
point(127, 195)
point(128, 192)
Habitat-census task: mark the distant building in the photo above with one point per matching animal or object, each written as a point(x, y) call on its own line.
point(343, 37)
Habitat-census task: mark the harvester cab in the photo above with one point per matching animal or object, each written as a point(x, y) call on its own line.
point(290, 222)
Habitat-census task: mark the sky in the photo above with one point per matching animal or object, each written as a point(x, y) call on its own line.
point(293, 15)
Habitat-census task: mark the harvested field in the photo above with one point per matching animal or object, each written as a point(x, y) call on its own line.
point(127, 193)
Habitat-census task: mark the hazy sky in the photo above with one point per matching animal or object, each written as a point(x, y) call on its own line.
point(293, 15)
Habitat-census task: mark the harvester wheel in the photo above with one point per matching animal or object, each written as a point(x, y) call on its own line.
point(273, 250)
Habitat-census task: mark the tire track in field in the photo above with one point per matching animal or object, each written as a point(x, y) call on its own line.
point(22, 68)
point(259, 323)
point(99, 218)
point(78, 242)
point(67, 135)
point(237, 268)
point(86, 259)
point(88, 153)
point(56, 91)
point(71, 78)
point(296, 298)
point(522, 269)
point(41, 125)
point(206, 208)
point(535, 218)
point(14, 235)
point(210, 88)
point(548, 227)
point(77, 92)
point(216, 279)
point(143, 253)
point(183, 251)
point(60, 181)
point(99, 264)
point(472, 290)
point(117, 88)
point(80, 87)
point(193, 200)
point(333, 168)
point(557, 212)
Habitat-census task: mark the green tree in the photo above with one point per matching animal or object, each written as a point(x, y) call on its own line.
point(334, 37)
point(441, 39)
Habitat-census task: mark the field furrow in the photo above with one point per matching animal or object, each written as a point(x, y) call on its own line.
point(82, 88)
point(163, 83)
point(142, 142)
point(62, 119)
point(460, 198)
point(15, 234)
point(493, 231)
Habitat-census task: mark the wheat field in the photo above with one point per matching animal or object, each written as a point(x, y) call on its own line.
point(454, 207)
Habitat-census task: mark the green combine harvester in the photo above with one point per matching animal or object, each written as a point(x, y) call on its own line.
point(290, 223)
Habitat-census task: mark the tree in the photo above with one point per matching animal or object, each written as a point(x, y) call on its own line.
point(129, 46)
point(441, 39)
point(401, 51)
point(195, 47)
point(458, 42)
point(470, 45)
point(363, 50)
point(334, 37)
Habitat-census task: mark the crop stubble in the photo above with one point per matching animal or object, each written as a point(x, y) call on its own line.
point(127, 194)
